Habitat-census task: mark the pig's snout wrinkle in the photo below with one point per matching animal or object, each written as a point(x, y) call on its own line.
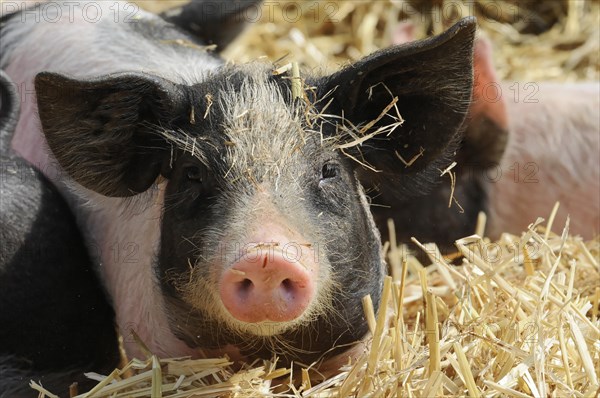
point(267, 288)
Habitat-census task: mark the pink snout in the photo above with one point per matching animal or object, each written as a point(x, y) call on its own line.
point(268, 287)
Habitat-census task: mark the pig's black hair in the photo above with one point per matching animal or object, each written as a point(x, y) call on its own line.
point(9, 113)
point(57, 321)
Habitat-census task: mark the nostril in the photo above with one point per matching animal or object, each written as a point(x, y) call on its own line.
point(245, 286)
point(289, 289)
point(287, 285)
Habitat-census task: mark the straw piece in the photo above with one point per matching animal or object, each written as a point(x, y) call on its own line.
point(369, 313)
point(582, 348)
point(156, 378)
point(42, 390)
point(297, 91)
point(465, 370)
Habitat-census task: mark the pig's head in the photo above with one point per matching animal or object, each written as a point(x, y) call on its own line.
point(267, 241)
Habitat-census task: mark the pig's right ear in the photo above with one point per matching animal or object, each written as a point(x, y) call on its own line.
point(100, 130)
point(432, 81)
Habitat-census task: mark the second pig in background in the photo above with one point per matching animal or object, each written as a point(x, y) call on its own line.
point(526, 146)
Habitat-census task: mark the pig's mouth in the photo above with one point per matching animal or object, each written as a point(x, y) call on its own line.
point(267, 328)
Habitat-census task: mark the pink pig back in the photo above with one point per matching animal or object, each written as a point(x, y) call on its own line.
point(553, 154)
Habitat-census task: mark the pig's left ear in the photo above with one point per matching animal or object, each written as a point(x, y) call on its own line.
point(102, 131)
point(433, 81)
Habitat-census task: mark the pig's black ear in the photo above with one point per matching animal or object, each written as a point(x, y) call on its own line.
point(100, 130)
point(432, 80)
point(214, 22)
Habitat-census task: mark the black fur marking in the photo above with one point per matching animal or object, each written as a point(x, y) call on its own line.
point(55, 316)
point(213, 22)
point(9, 111)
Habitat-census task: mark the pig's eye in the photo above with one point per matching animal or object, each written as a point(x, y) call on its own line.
point(329, 171)
point(196, 173)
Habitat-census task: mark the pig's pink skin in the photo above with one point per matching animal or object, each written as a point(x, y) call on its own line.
point(486, 86)
point(131, 283)
point(267, 287)
point(404, 32)
point(555, 143)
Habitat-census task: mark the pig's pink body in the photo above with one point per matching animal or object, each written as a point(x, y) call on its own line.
point(553, 154)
